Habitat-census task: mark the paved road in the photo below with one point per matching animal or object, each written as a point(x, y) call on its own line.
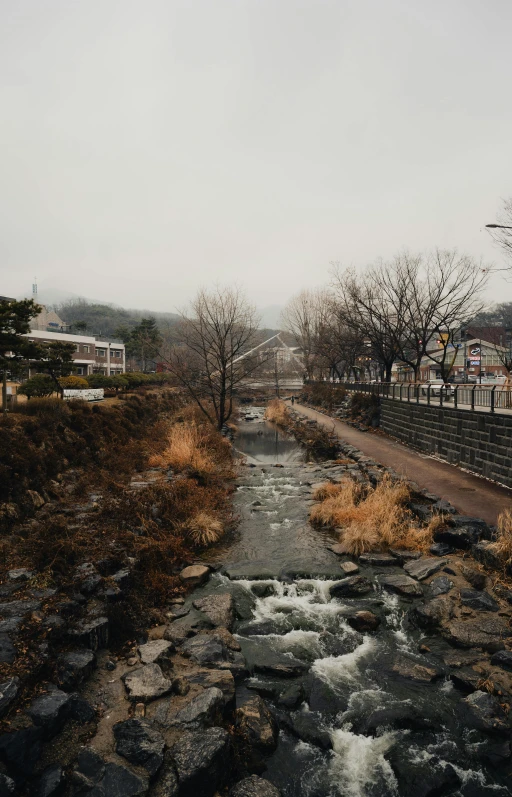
point(470, 495)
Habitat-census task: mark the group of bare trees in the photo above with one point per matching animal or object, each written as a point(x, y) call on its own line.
point(406, 309)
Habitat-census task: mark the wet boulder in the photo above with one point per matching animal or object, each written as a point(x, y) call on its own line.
point(254, 787)
point(201, 759)
point(256, 733)
point(200, 711)
point(412, 670)
point(423, 568)
point(401, 585)
point(307, 726)
point(503, 658)
point(484, 712)
point(492, 752)
point(430, 778)
point(349, 568)
point(292, 696)
point(219, 609)
point(74, 668)
point(211, 650)
point(363, 621)
point(478, 600)
point(146, 684)
point(7, 786)
point(351, 587)
point(263, 659)
point(138, 742)
point(466, 679)
point(20, 751)
point(486, 632)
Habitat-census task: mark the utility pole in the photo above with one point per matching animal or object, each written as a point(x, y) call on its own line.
point(4, 392)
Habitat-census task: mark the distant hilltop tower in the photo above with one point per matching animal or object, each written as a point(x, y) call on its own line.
point(34, 289)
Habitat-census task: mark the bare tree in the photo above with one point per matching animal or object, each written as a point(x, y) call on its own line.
point(502, 232)
point(302, 317)
point(211, 355)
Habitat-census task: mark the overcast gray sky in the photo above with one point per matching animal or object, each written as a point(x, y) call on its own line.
point(148, 147)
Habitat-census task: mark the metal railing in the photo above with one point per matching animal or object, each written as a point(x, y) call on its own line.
point(493, 398)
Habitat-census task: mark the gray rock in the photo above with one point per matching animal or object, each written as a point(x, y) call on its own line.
point(201, 711)
point(93, 634)
point(19, 608)
point(441, 549)
point(8, 692)
point(254, 787)
point(167, 784)
point(487, 633)
point(222, 679)
point(50, 711)
point(20, 574)
point(201, 761)
point(156, 652)
point(440, 586)
point(484, 712)
point(351, 587)
point(462, 537)
point(404, 555)
point(476, 578)
point(503, 658)
point(120, 782)
point(401, 585)
point(433, 613)
point(292, 696)
point(10, 625)
point(219, 609)
point(20, 750)
point(205, 649)
point(147, 683)
point(195, 575)
point(50, 781)
point(379, 560)
point(8, 652)
point(307, 726)
point(88, 578)
point(74, 668)
point(140, 744)
point(481, 601)
point(466, 678)
point(423, 568)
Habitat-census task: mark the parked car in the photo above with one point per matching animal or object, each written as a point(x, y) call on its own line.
point(436, 385)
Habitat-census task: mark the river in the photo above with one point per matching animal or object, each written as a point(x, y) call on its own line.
point(350, 724)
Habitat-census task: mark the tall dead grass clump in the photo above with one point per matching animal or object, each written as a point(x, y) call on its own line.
point(277, 412)
point(187, 448)
point(503, 543)
point(369, 518)
point(203, 529)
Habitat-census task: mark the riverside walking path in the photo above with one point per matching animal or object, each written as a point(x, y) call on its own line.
point(470, 495)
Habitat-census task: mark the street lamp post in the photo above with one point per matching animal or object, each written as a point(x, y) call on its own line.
point(498, 227)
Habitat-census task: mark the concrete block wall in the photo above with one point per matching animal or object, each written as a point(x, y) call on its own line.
point(478, 441)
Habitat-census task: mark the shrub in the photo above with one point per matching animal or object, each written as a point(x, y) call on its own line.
point(39, 385)
point(324, 394)
point(370, 518)
point(99, 380)
point(204, 529)
point(73, 383)
point(366, 405)
point(277, 412)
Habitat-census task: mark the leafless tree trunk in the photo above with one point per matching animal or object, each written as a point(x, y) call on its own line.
point(302, 318)
point(210, 357)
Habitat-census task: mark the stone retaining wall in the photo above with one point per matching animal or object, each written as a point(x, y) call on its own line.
point(478, 441)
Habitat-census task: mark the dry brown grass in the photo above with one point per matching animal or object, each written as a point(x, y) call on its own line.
point(370, 518)
point(189, 448)
point(204, 529)
point(503, 544)
point(277, 412)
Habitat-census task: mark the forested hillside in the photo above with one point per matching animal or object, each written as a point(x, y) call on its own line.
point(107, 319)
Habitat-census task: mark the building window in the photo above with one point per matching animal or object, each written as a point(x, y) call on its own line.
point(116, 354)
point(77, 347)
point(101, 352)
point(87, 349)
point(80, 370)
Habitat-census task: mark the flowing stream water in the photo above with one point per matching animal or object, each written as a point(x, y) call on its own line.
point(350, 725)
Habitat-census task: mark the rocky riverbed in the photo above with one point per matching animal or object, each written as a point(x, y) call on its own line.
point(287, 669)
